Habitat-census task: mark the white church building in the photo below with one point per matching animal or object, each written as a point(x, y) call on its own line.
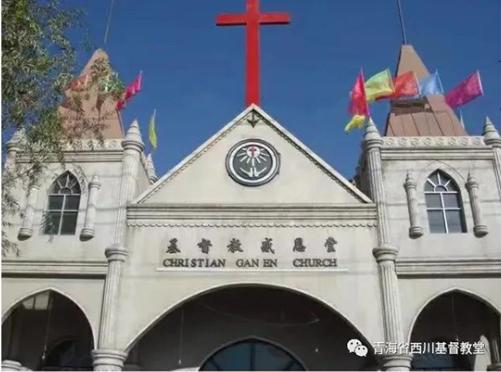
point(255, 254)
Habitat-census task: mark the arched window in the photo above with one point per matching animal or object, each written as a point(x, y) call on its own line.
point(443, 203)
point(62, 211)
point(252, 355)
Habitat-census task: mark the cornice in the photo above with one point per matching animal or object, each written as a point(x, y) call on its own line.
point(437, 154)
point(448, 267)
point(53, 268)
point(281, 214)
point(88, 150)
point(139, 223)
point(438, 141)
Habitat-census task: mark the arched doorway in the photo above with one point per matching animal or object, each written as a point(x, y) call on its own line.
point(48, 331)
point(458, 331)
point(252, 355)
point(259, 327)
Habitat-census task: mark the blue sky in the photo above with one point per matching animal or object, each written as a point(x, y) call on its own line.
point(194, 71)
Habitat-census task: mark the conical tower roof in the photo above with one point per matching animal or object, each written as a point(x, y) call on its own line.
point(99, 116)
point(428, 116)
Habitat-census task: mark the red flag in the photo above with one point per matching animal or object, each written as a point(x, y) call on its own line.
point(131, 90)
point(467, 90)
point(120, 104)
point(134, 87)
point(405, 85)
point(358, 101)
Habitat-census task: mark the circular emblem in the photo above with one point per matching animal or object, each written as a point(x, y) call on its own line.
point(252, 162)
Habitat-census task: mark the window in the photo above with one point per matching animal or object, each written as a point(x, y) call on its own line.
point(443, 204)
point(252, 355)
point(62, 211)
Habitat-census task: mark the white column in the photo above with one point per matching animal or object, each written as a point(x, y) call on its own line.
point(26, 230)
point(415, 230)
point(479, 228)
point(88, 230)
point(492, 138)
point(385, 253)
point(13, 146)
point(108, 357)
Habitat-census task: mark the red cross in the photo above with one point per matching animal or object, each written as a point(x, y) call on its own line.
point(252, 19)
point(253, 150)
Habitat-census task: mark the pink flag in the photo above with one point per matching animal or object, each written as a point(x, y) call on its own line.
point(131, 90)
point(134, 87)
point(120, 104)
point(467, 90)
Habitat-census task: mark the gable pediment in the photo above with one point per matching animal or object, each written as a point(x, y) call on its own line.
point(297, 176)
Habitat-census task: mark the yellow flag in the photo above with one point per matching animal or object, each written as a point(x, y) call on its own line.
point(379, 85)
point(152, 134)
point(357, 121)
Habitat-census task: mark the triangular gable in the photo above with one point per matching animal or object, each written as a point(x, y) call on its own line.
point(314, 176)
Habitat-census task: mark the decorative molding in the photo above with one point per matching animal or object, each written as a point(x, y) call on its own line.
point(93, 145)
point(284, 213)
point(79, 157)
point(441, 142)
point(53, 268)
point(446, 267)
point(247, 225)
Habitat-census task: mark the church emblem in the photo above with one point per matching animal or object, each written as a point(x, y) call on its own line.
point(252, 162)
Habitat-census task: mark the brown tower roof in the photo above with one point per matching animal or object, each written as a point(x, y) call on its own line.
point(427, 116)
point(98, 116)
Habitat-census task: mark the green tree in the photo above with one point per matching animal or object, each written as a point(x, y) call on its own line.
point(38, 62)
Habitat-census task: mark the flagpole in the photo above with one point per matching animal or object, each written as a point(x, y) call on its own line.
point(402, 24)
point(461, 121)
point(108, 22)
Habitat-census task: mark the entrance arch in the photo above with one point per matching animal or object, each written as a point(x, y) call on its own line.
point(47, 331)
point(292, 325)
point(451, 319)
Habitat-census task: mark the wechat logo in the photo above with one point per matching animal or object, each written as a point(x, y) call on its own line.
point(355, 346)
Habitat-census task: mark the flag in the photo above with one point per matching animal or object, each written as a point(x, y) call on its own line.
point(131, 90)
point(134, 87)
point(80, 83)
point(120, 104)
point(358, 101)
point(358, 104)
point(152, 134)
point(467, 90)
point(430, 85)
point(379, 85)
point(405, 85)
point(357, 121)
